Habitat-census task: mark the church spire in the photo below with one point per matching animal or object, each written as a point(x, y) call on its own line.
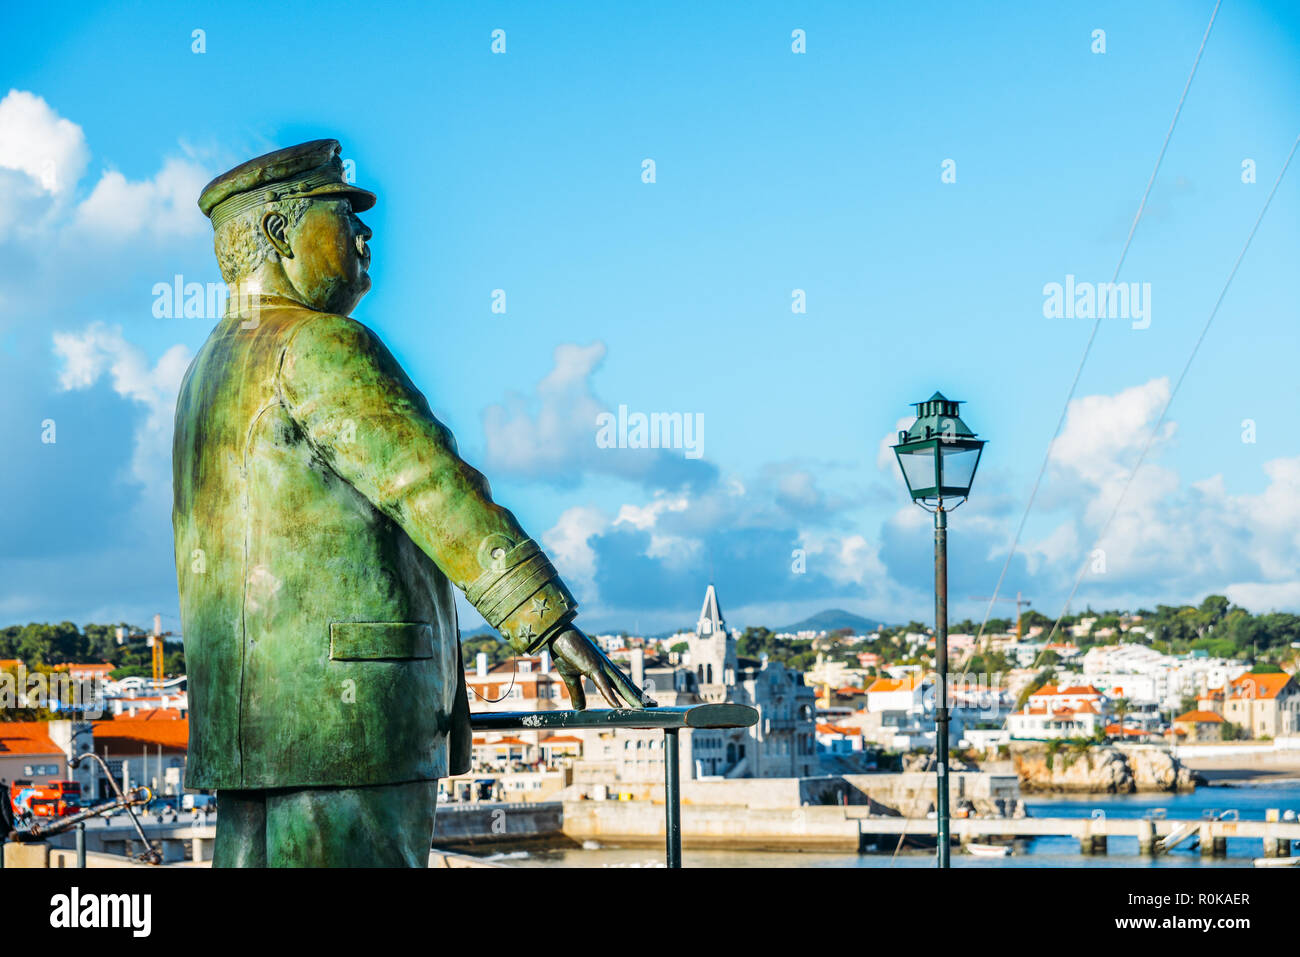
point(711, 621)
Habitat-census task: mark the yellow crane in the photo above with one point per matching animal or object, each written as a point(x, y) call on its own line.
point(156, 647)
point(1020, 602)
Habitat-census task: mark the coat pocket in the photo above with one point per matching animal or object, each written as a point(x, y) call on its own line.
point(378, 640)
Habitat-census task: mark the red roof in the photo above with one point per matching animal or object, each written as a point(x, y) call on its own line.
point(1260, 686)
point(153, 728)
point(836, 729)
point(1113, 729)
point(27, 737)
point(93, 667)
point(1199, 717)
point(893, 684)
point(1072, 690)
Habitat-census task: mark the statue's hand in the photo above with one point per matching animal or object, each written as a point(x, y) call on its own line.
point(577, 657)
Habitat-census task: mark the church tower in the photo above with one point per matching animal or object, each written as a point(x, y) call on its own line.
point(713, 650)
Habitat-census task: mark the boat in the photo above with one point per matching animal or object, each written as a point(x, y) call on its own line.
point(1277, 861)
point(999, 850)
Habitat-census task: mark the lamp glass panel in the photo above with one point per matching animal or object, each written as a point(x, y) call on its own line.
point(918, 467)
point(959, 466)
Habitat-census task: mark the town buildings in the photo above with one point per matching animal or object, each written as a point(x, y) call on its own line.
point(149, 750)
point(1198, 727)
point(783, 743)
point(1262, 705)
point(1078, 711)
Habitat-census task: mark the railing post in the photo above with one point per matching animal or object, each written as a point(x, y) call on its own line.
point(81, 844)
point(672, 798)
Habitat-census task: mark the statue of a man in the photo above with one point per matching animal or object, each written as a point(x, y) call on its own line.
point(321, 516)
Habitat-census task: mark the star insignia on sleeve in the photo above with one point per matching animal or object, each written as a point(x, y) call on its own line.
point(540, 606)
point(525, 632)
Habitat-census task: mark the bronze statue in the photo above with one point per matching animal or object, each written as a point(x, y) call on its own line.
point(321, 517)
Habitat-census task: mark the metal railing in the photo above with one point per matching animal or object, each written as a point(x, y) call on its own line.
point(669, 720)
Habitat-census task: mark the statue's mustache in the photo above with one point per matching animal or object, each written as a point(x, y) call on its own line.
point(361, 245)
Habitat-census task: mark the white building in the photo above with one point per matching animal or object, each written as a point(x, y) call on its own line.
point(1053, 712)
point(783, 743)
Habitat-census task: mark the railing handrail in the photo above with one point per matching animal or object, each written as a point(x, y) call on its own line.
point(702, 716)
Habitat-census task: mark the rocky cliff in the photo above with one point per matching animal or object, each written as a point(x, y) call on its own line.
point(1100, 770)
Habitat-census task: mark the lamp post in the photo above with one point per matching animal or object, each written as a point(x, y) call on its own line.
point(939, 455)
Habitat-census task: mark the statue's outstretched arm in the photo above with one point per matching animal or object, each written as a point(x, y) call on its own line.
point(375, 430)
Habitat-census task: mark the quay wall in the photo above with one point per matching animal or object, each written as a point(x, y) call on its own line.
point(489, 823)
point(886, 793)
point(642, 823)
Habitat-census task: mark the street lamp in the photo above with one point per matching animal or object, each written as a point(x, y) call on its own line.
point(939, 455)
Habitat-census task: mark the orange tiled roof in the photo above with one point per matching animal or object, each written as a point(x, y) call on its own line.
point(1259, 686)
point(1073, 690)
point(94, 667)
point(151, 729)
point(893, 684)
point(27, 737)
point(1199, 717)
point(1131, 732)
point(836, 729)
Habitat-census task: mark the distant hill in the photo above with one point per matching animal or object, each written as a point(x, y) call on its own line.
point(830, 620)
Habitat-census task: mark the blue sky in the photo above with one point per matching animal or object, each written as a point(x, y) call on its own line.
point(775, 171)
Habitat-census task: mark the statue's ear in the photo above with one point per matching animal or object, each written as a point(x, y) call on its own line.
point(273, 226)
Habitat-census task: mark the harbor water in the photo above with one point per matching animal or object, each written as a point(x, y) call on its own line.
point(1251, 801)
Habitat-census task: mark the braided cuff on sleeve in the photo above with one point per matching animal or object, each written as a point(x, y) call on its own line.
point(519, 593)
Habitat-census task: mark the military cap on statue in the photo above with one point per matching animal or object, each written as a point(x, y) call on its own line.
point(308, 170)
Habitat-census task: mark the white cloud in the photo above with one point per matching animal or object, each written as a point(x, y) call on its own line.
point(799, 487)
point(100, 350)
point(1261, 597)
point(1061, 544)
point(36, 141)
point(562, 433)
point(1104, 434)
point(43, 157)
point(886, 460)
point(643, 517)
point(568, 543)
point(163, 206)
point(551, 434)
point(1170, 540)
point(844, 559)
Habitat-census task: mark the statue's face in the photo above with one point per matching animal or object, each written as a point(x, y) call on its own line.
point(330, 257)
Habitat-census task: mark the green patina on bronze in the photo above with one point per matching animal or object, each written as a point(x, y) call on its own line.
point(322, 516)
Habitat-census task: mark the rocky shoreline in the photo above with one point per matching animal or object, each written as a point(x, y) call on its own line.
point(1100, 770)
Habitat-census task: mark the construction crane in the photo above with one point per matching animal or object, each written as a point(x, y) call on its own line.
point(1019, 603)
point(156, 646)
